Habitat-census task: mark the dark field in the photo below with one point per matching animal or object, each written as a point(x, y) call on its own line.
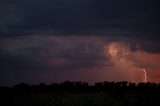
point(81, 99)
point(82, 96)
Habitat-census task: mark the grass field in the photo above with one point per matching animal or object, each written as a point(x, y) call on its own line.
point(110, 98)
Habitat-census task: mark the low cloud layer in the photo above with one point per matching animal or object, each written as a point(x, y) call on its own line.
point(92, 59)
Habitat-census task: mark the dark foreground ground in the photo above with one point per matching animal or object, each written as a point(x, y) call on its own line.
point(110, 98)
point(81, 94)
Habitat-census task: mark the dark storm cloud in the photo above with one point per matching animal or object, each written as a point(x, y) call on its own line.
point(51, 53)
point(49, 36)
point(138, 18)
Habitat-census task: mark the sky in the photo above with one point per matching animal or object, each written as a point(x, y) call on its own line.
point(79, 40)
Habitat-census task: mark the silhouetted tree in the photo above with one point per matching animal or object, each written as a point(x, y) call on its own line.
point(83, 86)
point(131, 85)
point(124, 84)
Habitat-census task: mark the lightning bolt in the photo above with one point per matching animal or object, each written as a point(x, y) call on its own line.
point(145, 75)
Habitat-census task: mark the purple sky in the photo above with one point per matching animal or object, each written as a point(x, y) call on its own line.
point(92, 40)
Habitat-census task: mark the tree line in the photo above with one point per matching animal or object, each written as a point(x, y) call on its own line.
point(83, 86)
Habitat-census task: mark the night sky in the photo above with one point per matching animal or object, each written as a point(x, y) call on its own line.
point(79, 40)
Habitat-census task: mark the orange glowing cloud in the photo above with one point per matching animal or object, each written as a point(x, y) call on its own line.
point(151, 62)
point(129, 64)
